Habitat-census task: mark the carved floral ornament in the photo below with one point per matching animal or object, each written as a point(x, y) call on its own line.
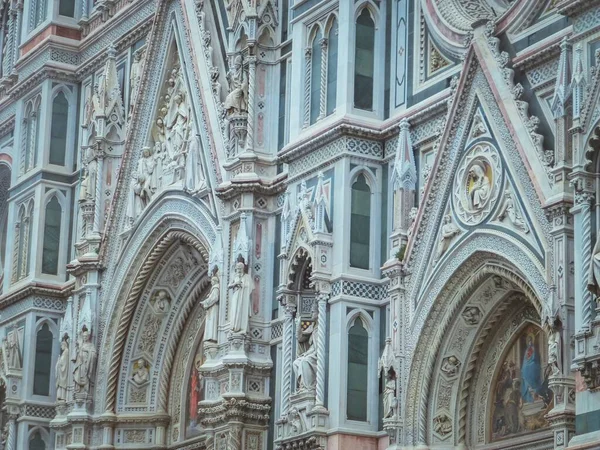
point(477, 184)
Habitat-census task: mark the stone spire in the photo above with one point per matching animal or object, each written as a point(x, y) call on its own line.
point(562, 89)
point(404, 175)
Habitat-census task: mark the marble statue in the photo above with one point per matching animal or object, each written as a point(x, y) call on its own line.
point(449, 230)
point(481, 188)
point(450, 366)
point(91, 165)
point(134, 75)
point(62, 370)
point(160, 163)
point(13, 351)
point(84, 186)
point(236, 101)
point(211, 305)
point(554, 352)
point(162, 301)
point(194, 175)
point(141, 373)
point(241, 287)
point(85, 359)
point(305, 365)
point(389, 396)
point(511, 210)
point(146, 169)
point(177, 134)
point(472, 315)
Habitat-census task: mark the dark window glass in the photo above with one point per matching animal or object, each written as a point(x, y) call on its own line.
point(58, 133)
point(315, 79)
point(67, 8)
point(358, 361)
point(43, 361)
point(364, 61)
point(360, 223)
point(332, 56)
point(51, 237)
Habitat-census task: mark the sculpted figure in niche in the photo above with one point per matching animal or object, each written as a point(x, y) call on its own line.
point(442, 425)
point(13, 351)
point(141, 373)
point(162, 301)
point(389, 395)
point(134, 76)
point(472, 315)
point(177, 134)
point(159, 156)
point(211, 305)
point(241, 288)
point(62, 370)
point(450, 366)
point(92, 169)
point(84, 186)
point(480, 190)
point(194, 176)
point(146, 169)
point(510, 209)
point(305, 365)
point(236, 101)
point(449, 230)
point(554, 352)
point(84, 362)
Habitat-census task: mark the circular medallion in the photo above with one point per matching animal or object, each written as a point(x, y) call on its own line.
point(477, 184)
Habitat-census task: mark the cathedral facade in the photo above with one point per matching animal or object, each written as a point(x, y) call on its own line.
point(299, 224)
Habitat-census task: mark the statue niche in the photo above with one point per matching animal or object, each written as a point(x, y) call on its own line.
point(173, 156)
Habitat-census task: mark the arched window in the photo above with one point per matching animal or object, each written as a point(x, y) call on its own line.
point(360, 223)
point(315, 78)
point(21, 244)
point(37, 13)
point(50, 250)
point(358, 362)
point(43, 361)
point(364, 61)
point(36, 442)
point(4, 186)
point(332, 56)
point(67, 8)
point(58, 132)
point(29, 136)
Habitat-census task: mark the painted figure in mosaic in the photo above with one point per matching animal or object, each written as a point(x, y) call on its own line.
point(241, 287)
point(480, 190)
point(62, 370)
point(211, 304)
point(84, 363)
point(236, 101)
point(530, 371)
point(305, 365)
